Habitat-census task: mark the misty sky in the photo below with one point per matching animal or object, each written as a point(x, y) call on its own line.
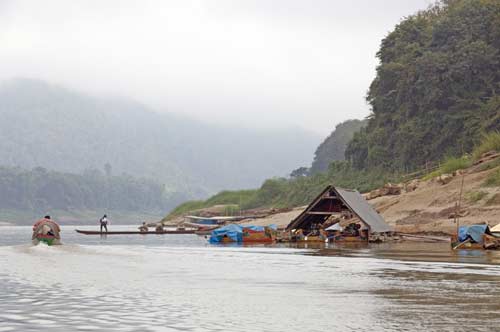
point(257, 63)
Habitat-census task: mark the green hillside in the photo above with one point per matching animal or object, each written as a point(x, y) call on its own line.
point(437, 88)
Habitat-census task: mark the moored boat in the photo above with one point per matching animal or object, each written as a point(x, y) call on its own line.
point(475, 237)
point(244, 234)
point(177, 231)
point(209, 223)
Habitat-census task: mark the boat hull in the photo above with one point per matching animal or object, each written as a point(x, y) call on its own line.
point(185, 231)
point(47, 239)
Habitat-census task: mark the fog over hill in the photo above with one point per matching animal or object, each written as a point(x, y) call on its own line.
point(64, 130)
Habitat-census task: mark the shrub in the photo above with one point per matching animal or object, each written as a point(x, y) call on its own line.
point(450, 165)
point(490, 142)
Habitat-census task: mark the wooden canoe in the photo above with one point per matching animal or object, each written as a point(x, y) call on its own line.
point(184, 231)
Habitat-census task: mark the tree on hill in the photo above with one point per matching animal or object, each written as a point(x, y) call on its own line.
point(437, 88)
point(333, 147)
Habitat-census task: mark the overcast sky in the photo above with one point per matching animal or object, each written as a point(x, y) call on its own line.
point(258, 63)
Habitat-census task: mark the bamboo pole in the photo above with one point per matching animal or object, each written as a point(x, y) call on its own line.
point(458, 206)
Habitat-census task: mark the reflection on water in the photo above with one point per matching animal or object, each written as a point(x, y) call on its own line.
point(178, 283)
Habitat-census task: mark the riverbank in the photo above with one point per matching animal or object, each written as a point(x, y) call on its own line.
point(421, 206)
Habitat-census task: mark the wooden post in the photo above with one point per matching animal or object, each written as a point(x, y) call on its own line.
point(457, 209)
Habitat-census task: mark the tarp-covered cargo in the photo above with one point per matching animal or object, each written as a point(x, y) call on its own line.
point(473, 232)
point(246, 233)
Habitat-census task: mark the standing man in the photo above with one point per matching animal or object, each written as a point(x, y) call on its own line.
point(104, 223)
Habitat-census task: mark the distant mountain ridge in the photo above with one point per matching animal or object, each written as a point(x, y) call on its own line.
point(63, 130)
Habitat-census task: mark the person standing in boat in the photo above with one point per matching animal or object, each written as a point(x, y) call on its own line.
point(143, 228)
point(104, 223)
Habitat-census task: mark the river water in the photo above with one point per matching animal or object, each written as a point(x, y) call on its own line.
point(180, 283)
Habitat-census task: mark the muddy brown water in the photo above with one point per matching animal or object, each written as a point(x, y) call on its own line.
point(180, 283)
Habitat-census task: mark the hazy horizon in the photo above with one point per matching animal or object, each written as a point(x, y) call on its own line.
point(256, 64)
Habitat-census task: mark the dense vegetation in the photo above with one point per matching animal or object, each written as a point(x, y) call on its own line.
point(285, 193)
point(62, 130)
point(437, 87)
point(489, 142)
point(333, 147)
point(42, 191)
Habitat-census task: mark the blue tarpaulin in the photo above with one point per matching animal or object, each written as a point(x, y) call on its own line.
point(474, 232)
point(234, 232)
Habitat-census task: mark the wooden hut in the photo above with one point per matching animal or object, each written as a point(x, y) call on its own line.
point(336, 205)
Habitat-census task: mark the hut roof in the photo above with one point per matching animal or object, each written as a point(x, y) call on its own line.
point(334, 200)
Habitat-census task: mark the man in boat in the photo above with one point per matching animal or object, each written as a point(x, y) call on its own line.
point(143, 228)
point(104, 223)
point(46, 230)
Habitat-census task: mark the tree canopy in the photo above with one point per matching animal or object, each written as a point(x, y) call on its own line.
point(437, 87)
point(333, 147)
point(41, 190)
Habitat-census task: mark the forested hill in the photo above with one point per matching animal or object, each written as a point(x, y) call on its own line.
point(437, 89)
point(26, 195)
point(333, 147)
point(40, 190)
point(60, 129)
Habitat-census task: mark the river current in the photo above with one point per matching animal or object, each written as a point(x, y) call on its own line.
point(181, 283)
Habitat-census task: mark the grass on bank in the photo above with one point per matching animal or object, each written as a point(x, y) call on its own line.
point(490, 142)
point(450, 165)
point(286, 193)
point(231, 198)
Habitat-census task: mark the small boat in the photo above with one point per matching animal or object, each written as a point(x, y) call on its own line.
point(47, 231)
point(210, 223)
point(177, 231)
point(200, 227)
point(203, 232)
point(244, 234)
point(475, 237)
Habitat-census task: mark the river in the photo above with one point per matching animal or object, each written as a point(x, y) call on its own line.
point(180, 283)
